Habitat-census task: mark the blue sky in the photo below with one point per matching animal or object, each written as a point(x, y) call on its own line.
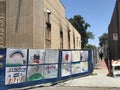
point(97, 13)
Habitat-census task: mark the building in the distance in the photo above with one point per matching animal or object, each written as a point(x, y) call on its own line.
point(36, 24)
point(114, 33)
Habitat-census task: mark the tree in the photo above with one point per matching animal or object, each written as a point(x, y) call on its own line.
point(103, 39)
point(89, 46)
point(81, 26)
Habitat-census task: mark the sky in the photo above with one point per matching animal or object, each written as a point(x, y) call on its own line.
point(97, 13)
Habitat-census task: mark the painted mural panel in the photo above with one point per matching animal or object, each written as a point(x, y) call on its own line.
point(66, 56)
point(83, 55)
point(84, 66)
point(15, 75)
point(50, 71)
point(66, 70)
point(75, 56)
point(35, 73)
point(16, 57)
point(51, 56)
point(76, 68)
point(36, 56)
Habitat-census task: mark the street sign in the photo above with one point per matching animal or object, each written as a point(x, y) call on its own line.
point(115, 36)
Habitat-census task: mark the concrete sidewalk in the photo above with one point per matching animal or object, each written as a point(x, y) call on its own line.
point(96, 81)
point(99, 78)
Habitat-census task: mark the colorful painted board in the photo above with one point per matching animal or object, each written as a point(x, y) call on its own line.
point(66, 56)
point(76, 68)
point(16, 57)
point(51, 56)
point(35, 73)
point(66, 70)
point(15, 75)
point(36, 56)
point(83, 55)
point(84, 66)
point(75, 56)
point(50, 71)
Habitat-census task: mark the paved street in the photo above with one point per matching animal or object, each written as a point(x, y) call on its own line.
point(97, 81)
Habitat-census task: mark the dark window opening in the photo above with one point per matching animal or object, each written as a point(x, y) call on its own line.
point(48, 25)
point(61, 40)
point(69, 39)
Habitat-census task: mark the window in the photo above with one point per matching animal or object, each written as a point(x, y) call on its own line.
point(48, 35)
point(74, 39)
point(77, 41)
point(48, 30)
point(69, 39)
point(61, 39)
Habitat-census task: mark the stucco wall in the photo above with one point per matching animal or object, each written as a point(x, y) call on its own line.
point(38, 24)
point(59, 22)
point(19, 23)
point(26, 25)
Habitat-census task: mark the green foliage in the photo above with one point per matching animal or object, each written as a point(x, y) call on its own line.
point(103, 39)
point(90, 35)
point(89, 46)
point(79, 23)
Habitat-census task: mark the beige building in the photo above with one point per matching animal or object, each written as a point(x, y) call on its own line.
point(36, 24)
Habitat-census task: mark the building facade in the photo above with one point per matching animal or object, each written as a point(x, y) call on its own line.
point(36, 24)
point(114, 33)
